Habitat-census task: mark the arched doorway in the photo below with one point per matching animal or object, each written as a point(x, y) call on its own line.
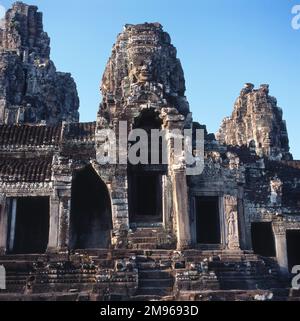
point(91, 220)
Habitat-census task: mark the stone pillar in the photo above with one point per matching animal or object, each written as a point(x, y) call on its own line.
point(172, 120)
point(3, 223)
point(119, 198)
point(54, 224)
point(64, 222)
point(181, 209)
point(167, 203)
point(115, 179)
point(244, 242)
point(281, 246)
point(60, 206)
point(231, 222)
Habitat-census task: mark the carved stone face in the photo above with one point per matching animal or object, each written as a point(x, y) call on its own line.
point(142, 73)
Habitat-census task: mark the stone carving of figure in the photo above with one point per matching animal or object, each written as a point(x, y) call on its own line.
point(232, 238)
point(231, 225)
point(276, 191)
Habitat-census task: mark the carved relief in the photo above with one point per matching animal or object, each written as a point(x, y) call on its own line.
point(276, 191)
point(231, 220)
point(256, 119)
point(232, 236)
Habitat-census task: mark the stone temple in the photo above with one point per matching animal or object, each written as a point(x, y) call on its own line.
point(72, 228)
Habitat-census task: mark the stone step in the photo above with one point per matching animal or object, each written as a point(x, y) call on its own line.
point(229, 274)
point(156, 283)
point(23, 257)
point(154, 266)
point(144, 246)
point(141, 239)
point(247, 283)
point(155, 291)
point(236, 276)
point(238, 266)
point(215, 258)
point(155, 274)
point(220, 295)
point(17, 276)
point(145, 298)
point(147, 232)
point(149, 298)
point(152, 258)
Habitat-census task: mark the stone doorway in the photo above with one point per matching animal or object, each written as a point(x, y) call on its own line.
point(208, 231)
point(28, 225)
point(91, 218)
point(145, 197)
point(263, 241)
point(293, 247)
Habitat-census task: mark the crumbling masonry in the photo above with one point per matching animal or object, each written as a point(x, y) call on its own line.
point(71, 228)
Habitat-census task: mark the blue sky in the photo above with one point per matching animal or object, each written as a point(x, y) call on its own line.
point(221, 43)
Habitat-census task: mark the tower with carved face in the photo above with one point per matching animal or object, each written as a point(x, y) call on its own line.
point(143, 84)
point(142, 72)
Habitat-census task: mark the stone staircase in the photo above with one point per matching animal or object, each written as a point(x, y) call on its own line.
point(19, 269)
point(156, 274)
point(156, 279)
point(150, 238)
point(244, 275)
point(241, 270)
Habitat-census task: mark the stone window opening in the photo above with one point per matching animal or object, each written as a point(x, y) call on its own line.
point(145, 181)
point(145, 197)
point(208, 227)
point(28, 225)
point(149, 120)
point(263, 242)
point(293, 251)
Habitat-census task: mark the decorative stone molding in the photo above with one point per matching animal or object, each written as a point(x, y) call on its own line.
point(21, 187)
point(279, 228)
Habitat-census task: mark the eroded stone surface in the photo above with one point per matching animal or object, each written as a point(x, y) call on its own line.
point(257, 122)
point(143, 71)
point(31, 90)
point(162, 258)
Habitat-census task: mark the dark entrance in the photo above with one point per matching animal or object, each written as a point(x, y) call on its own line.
point(91, 220)
point(208, 220)
point(145, 197)
point(28, 225)
point(263, 242)
point(293, 247)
